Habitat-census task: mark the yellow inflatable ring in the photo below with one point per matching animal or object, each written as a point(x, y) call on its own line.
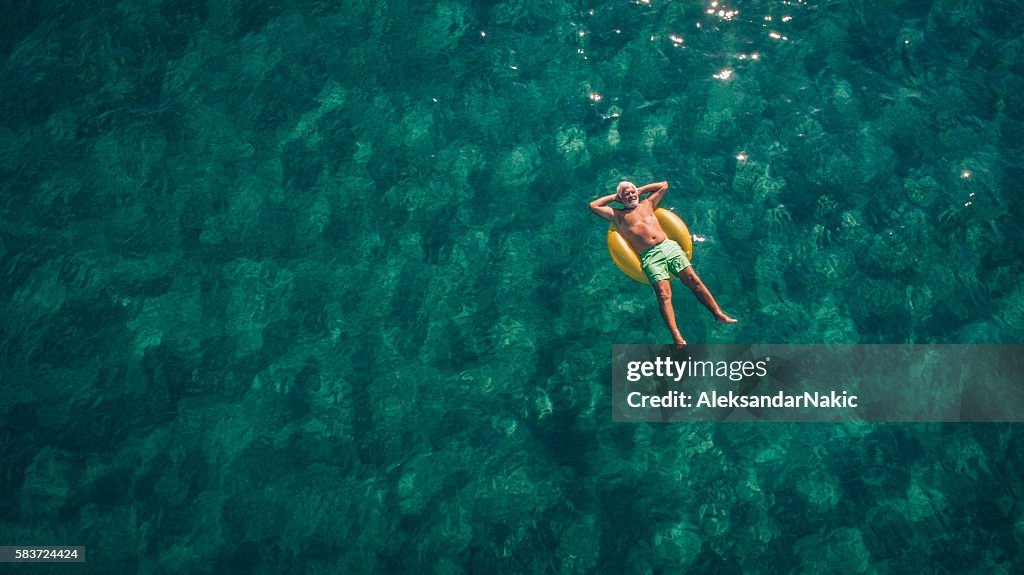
point(628, 260)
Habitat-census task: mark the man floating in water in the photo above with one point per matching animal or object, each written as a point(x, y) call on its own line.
point(660, 257)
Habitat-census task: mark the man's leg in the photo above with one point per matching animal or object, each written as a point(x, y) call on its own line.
point(700, 290)
point(663, 290)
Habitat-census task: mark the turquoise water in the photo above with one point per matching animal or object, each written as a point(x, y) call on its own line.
point(306, 287)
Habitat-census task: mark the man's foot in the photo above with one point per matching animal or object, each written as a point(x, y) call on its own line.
point(724, 319)
point(680, 343)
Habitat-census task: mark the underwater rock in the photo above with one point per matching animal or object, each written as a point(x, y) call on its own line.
point(777, 219)
point(831, 169)
point(49, 483)
point(572, 143)
point(891, 255)
point(842, 110)
point(418, 484)
point(887, 532)
point(519, 167)
point(835, 325)
point(839, 552)
point(1011, 88)
point(656, 132)
point(770, 277)
point(1011, 314)
point(923, 501)
point(818, 487)
point(874, 299)
point(736, 227)
point(578, 549)
point(441, 31)
point(876, 163)
point(676, 547)
point(922, 190)
point(715, 127)
point(755, 181)
point(851, 228)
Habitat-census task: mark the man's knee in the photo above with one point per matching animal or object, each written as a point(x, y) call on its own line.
point(690, 278)
point(662, 290)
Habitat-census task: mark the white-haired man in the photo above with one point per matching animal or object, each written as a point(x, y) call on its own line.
point(660, 257)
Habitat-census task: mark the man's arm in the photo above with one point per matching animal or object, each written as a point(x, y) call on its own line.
point(600, 207)
point(657, 191)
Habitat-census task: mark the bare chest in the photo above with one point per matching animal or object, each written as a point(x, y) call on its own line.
point(635, 219)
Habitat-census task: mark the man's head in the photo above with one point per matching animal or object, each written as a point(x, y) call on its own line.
point(627, 195)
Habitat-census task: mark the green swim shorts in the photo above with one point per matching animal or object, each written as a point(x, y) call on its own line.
point(663, 261)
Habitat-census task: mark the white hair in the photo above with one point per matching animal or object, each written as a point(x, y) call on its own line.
point(622, 187)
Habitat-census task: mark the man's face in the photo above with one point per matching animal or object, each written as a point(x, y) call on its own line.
point(630, 198)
